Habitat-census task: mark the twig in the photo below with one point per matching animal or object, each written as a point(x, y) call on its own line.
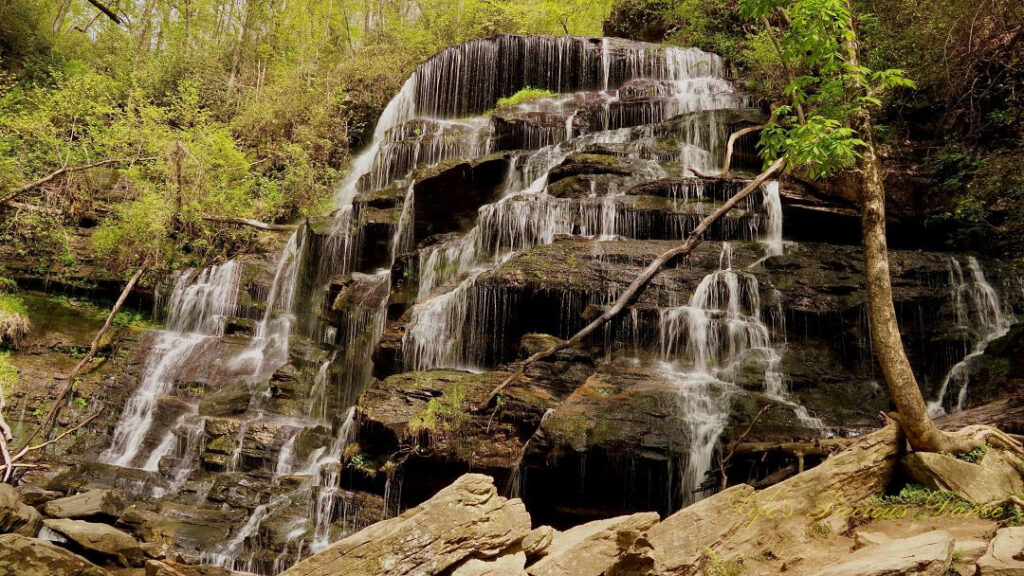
point(733, 445)
point(66, 170)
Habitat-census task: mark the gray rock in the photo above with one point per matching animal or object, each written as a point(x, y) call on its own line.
point(98, 540)
point(928, 554)
point(33, 557)
point(466, 519)
point(94, 504)
point(15, 515)
point(1005, 555)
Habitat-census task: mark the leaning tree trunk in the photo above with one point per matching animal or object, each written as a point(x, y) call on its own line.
point(885, 332)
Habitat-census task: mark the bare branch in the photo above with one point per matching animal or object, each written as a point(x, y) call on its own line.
point(727, 164)
point(110, 13)
point(51, 417)
point(66, 170)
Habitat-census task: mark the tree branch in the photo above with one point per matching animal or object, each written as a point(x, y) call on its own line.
point(252, 223)
point(51, 417)
point(66, 170)
point(110, 13)
point(727, 164)
point(642, 279)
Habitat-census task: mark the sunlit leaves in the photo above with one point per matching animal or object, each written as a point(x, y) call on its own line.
point(827, 85)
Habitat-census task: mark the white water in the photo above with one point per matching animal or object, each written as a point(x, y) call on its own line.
point(979, 310)
point(705, 345)
point(198, 304)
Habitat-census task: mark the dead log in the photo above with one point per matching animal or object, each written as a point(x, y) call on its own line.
point(1006, 414)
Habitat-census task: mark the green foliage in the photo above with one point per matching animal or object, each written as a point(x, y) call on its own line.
point(14, 323)
point(8, 373)
point(248, 110)
point(826, 89)
point(443, 415)
point(911, 495)
point(974, 456)
point(524, 96)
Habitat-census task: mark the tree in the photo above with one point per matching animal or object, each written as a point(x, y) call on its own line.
point(827, 126)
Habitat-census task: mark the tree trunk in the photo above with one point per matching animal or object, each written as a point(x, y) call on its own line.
point(885, 333)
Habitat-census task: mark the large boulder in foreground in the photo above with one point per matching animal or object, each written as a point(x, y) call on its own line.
point(993, 479)
point(32, 557)
point(592, 548)
point(466, 519)
point(928, 554)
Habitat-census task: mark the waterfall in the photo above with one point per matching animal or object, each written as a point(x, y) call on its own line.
point(198, 304)
point(979, 310)
point(704, 345)
point(609, 93)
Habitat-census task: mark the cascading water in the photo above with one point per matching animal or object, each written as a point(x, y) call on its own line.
point(610, 94)
point(198, 305)
point(979, 310)
point(704, 345)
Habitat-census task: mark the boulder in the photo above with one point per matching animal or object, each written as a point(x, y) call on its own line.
point(1005, 556)
point(33, 557)
point(536, 543)
point(15, 515)
point(93, 504)
point(970, 550)
point(993, 479)
point(592, 548)
point(98, 540)
point(928, 554)
point(466, 519)
point(510, 565)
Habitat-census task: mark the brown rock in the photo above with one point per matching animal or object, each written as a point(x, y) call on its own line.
point(99, 540)
point(15, 515)
point(538, 541)
point(592, 548)
point(928, 554)
point(1005, 556)
point(24, 556)
point(466, 519)
point(93, 504)
point(992, 479)
point(509, 565)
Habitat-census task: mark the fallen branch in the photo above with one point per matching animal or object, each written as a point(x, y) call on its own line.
point(66, 170)
point(732, 141)
point(642, 279)
point(51, 417)
point(252, 223)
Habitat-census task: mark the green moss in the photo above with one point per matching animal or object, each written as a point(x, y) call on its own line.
point(8, 373)
point(443, 415)
point(524, 96)
point(713, 565)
